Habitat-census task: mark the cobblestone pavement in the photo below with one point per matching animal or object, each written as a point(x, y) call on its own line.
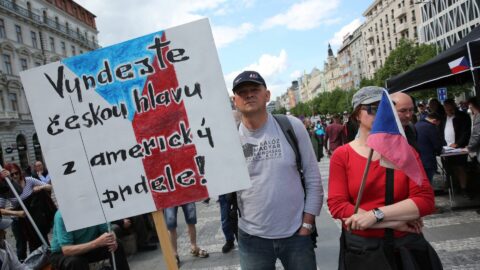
point(454, 234)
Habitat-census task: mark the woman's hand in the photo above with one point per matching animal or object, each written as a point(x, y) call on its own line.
point(37, 188)
point(360, 221)
point(4, 173)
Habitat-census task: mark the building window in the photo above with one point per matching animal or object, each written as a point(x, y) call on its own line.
point(52, 44)
point(8, 64)
point(2, 29)
point(73, 50)
point(13, 101)
point(34, 39)
point(18, 30)
point(23, 63)
point(37, 64)
point(2, 101)
point(64, 48)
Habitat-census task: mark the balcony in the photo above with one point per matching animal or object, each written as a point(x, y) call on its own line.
point(372, 58)
point(9, 118)
point(369, 35)
point(402, 28)
point(370, 47)
point(400, 12)
point(18, 10)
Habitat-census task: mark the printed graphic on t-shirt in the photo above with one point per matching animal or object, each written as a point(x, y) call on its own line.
point(264, 150)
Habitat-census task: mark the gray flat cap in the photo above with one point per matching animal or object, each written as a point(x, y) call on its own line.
point(367, 95)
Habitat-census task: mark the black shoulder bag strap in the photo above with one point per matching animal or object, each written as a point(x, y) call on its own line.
point(389, 240)
point(287, 129)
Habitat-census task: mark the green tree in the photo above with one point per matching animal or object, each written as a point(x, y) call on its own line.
point(405, 57)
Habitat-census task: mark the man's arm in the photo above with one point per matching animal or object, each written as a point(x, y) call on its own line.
point(106, 239)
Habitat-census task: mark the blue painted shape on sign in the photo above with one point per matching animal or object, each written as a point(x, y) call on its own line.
point(442, 93)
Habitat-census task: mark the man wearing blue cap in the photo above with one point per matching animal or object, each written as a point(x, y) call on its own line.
point(276, 215)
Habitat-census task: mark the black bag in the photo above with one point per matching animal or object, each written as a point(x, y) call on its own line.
point(361, 253)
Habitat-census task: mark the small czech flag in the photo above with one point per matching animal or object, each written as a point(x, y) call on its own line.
point(459, 65)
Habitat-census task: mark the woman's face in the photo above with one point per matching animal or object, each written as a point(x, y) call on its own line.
point(15, 174)
point(367, 115)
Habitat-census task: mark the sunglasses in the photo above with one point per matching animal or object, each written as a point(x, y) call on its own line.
point(371, 109)
point(14, 173)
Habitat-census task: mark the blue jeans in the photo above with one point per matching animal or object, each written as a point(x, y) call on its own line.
point(225, 217)
point(295, 252)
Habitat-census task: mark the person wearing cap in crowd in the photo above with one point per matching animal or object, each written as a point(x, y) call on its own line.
point(276, 215)
point(406, 111)
point(367, 227)
point(8, 258)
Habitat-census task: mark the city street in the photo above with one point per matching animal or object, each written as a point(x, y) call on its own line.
point(454, 234)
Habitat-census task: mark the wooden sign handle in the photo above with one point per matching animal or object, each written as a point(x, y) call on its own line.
point(164, 238)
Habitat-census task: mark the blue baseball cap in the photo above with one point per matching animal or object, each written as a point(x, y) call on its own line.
point(248, 76)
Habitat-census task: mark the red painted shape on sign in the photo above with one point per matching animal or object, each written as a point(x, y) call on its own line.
point(164, 121)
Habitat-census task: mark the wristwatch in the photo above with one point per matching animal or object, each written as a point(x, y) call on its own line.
point(308, 226)
point(379, 215)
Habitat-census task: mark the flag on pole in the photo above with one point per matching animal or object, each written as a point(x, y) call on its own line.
point(459, 65)
point(387, 137)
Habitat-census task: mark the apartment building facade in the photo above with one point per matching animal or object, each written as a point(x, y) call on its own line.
point(312, 84)
point(34, 33)
point(387, 22)
point(444, 22)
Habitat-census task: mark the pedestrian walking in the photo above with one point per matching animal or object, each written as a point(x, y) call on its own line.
point(277, 215)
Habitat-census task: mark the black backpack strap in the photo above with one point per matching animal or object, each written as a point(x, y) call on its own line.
point(289, 133)
point(389, 240)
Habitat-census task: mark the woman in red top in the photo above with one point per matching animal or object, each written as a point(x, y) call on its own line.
point(411, 202)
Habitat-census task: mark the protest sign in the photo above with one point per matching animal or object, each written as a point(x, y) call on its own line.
point(138, 126)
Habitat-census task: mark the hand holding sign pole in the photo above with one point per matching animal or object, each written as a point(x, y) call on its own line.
point(137, 127)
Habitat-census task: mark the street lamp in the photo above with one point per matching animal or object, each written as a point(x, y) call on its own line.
point(435, 19)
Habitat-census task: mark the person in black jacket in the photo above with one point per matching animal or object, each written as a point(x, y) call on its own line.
point(429, 142)
point(457, 130)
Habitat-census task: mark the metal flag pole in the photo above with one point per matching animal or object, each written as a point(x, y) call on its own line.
point(364, 179)
point(27, 213)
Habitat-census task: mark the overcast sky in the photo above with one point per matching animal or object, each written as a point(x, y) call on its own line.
point(279, 38)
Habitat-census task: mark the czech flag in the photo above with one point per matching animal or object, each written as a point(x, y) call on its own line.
point(387, 137)
point(459, 65)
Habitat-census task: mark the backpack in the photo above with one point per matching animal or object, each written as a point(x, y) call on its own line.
point(289, 133)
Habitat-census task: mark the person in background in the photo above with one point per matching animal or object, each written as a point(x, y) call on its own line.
point(190, 213)
point(21, 227)
point(320, 135)
point(429, 142)
point(74, 250)
point(228, 227)
point(334, 135)
point(457, 130)
point(139, 226)
point(411, 201)
point(41, 173)
point(422, 111)
point(474, 142)
point(351, 129)
point(406, 111)
point(8, 258)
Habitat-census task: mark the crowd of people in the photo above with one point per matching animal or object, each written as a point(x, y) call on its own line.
point(275, 218)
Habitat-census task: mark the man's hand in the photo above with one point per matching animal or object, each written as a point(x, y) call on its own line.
point(453, 145)
point(106, 239)
point(304, 231)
